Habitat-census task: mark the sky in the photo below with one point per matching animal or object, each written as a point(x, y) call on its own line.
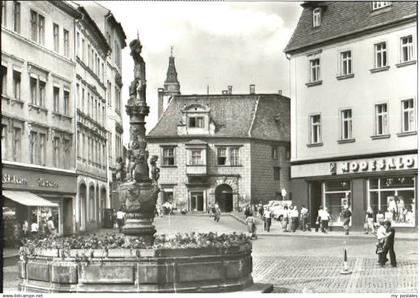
point(215, 43)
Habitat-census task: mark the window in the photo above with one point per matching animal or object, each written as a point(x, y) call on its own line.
point(56, 98)
point(78, 44)
point(108, 90)
point(196, 122)
point(346, 125)
point(32, 146)
point(316, 17)
point(37, 27)
point(407, 52)
point(56, 152)
point(66, 108)
point(346, 67)
point(16, 16)
point(276, 173)
point(41, 94)
point(274, 152)
point(315, 70)
point(381, 119)
point(221, 156)
point(380, 4)
point(67, 153)
point(3, 80)
point(196, 157)
point(315, 122)
point(408, 115)
point(16, 84)
point(83, 153)
point(88, 55)
point(168, 156)
point(33, 87)
point(78, 145)
point(337, 194)
point(66, 43)
point(380, 55)
point(56, 32)
point(4, 13)
point(234, 156)
point(83, 50)
point(3, 141)
point(117, 100)
point(17, 143)
point(42, 151)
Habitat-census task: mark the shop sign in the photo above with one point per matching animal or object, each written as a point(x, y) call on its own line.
point(382, 164)
point(47, 183)
point(13, 179)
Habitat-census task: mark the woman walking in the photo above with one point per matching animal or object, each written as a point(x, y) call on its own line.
point(369, 221)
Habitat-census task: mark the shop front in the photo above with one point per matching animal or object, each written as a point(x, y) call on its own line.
point(35, 194)
point(387, 185)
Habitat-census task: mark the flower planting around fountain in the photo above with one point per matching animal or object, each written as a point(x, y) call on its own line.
point(116, 263)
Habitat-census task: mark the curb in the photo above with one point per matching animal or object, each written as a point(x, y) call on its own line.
point(321, 235)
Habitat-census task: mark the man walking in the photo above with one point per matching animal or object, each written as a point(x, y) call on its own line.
point(267, 219)
point(295, 218)
point(389, 245)
point(120, 219)
point(346, 220)
point(325, 217)
point(303, 218)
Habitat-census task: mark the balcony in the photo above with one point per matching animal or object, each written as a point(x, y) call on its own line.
point(196, 170)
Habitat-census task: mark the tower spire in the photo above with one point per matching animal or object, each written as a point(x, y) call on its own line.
point(171, 81)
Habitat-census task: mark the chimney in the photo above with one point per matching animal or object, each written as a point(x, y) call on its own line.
point(280, 92)
point(252, 89)
point(229, 89)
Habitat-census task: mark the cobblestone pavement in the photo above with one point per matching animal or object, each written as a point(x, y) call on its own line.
point(301, 264)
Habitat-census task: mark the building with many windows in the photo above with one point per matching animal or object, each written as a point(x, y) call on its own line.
point(38, 139)
point(91, 49)
point(353, 74)
point(232, 149)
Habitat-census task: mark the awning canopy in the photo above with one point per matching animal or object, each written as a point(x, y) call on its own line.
point(27, 198)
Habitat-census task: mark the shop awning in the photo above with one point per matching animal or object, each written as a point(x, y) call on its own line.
point(27, 198)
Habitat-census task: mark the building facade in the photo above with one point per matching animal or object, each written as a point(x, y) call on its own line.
point(38, 139)
point(232, 149)
point(353, 132)
point(91, 54)
point(116, 39)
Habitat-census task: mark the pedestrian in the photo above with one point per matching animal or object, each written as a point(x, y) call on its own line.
point(17, 233)
point(34, 228)
point(294, 214)
point(304, 214)
point(217, 213)
point(369, 221)
point(252, 228)
point(285, 218)
point(248, 211)
point(346, 214)
point(318, 219)
point(289, 219)
point(325, 218)
point(380, 235)
point(120, 219)
point(261, 210)
point(267, 219)
point(389, 245)
point(25, 228)
point(50, 226)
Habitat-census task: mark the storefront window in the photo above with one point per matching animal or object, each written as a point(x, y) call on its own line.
point(393, 199)
point(337, 195)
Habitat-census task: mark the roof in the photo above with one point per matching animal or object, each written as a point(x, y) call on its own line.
point(343, 18)
point(235, 116)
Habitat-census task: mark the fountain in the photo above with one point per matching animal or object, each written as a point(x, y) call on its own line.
point(146, 266)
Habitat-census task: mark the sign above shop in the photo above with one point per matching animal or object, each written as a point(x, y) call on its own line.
point(14, 179)
point(373, 165)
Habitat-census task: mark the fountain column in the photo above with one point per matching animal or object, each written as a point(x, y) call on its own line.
point(138, 191)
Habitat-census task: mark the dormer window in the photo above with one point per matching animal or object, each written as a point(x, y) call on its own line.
point(196, 122)
point(316, 17)
point(380, 4)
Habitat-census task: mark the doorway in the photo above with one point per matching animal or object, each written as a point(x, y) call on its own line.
point(197, 201)
point(224, 197)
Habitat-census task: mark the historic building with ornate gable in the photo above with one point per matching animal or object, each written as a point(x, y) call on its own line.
point(232, 149)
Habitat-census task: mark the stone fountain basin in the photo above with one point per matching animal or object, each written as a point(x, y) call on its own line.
point(138, 270)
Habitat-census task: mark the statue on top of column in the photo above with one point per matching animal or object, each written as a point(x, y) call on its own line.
point(138, 85)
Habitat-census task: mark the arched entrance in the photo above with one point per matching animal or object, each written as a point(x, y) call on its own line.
point(103, 203)
point(91, 203)
point(82, 204)
point(224, 197)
